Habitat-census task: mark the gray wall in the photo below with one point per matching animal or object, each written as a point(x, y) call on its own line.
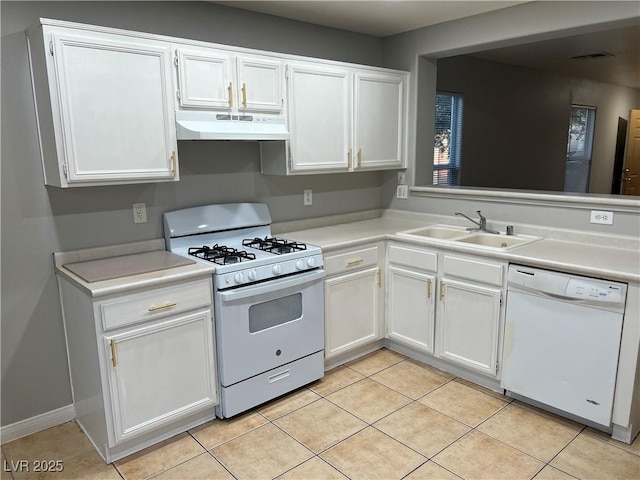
point(515, 123)
point(38, 220)
point(419, 50)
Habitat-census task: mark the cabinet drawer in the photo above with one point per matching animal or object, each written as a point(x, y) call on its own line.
point(151, 304)
point(474, 269)
point(412, 257)
point(353, 260)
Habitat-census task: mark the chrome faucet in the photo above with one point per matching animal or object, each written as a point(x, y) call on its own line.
point(482, 224)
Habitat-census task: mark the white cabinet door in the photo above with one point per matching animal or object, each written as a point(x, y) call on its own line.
point(116, 121)
point(411, 308)
point(213, 79)
point(352, 313)
point(205, 79)
point(379, 120)
point(468, 325)
point(260, 84)
point(319, 118)
point(160, 373)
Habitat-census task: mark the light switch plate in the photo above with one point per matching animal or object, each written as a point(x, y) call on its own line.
point(603, 218)
point(401, 178)
point(308, 197)
point(402, 191)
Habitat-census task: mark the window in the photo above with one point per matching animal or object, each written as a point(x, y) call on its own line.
point(448, 139)
point(579, 147)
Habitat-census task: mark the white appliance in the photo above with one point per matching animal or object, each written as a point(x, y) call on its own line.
point(226, 126)
point(268, 300)
point(562, 340)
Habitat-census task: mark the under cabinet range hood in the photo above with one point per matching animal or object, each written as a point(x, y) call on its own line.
point(224, 126)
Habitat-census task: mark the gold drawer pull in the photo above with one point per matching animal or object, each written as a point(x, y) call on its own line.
point(355, 261)
point(114, 358)
point(359, 157)
point(429, 288)
point(160, 307)
point(244, 95)
point(442, 284)
point(230, 89)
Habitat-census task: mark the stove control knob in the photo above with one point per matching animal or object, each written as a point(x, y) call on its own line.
point(300, 265)
point(277, 269)
point(239, 277)
point(311, 262)
point(253, 275)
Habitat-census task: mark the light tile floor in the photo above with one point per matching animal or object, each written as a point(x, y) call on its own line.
point(382, 416)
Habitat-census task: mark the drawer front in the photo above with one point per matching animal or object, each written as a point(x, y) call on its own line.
point(483, 271)
point(151, 304)
point(414, 258)
point(353, 260)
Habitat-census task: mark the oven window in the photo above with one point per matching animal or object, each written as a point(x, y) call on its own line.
point(275, 312)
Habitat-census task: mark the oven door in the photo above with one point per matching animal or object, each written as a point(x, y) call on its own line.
point(263, 326)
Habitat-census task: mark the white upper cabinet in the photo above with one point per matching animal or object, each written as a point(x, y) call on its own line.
point(212, 79)
point(319, 118)
point(104, 107)
point(379, 120)
point(342, 119)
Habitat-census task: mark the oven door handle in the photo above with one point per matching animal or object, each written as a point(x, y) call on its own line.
point(271, 286)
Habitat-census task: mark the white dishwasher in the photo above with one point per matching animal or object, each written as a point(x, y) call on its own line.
point(562, 339)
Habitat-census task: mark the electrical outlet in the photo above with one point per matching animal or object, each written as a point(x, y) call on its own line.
point(402, 191)
point(139, 213)
point(603, 218)
point(308, 197)
point(401, 178)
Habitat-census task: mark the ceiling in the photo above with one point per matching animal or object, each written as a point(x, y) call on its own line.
point(378, 18)
point(389, 17)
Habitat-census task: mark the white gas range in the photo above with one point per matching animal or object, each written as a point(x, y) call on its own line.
point(268, 296)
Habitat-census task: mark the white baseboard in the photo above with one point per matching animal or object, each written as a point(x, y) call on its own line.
point(36, 424)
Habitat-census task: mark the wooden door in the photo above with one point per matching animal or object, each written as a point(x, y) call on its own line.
point(632, 160)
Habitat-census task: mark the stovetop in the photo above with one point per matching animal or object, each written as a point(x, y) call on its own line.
point(240, 245)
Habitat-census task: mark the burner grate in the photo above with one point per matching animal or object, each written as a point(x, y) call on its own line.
point(221, 254)
point(279, 246)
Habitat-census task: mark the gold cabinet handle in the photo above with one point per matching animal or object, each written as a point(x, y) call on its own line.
point(173, 163)
point(355, 261)
point(230, 89)
point(429, 288)
point(441, 290)
point(379, 279)
point(114, 357)
point(244, 95)
point(359, 157)
point(349, 158)
point(153, 308)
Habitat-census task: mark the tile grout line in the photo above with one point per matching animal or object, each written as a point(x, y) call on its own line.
point(209, 452)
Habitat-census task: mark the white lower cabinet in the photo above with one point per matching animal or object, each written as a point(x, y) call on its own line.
point(411, 293)
point(446, 305)
point(142, 362)
point(353, 316)
point(160, 372)
point(468, 325)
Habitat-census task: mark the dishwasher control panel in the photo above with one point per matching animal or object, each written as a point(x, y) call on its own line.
point(590, 290)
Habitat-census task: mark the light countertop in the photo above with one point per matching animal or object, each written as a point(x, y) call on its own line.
point(134, 254)
point(566, 255)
